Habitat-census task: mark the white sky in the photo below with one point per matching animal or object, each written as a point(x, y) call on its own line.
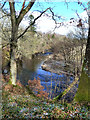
point(46, 24)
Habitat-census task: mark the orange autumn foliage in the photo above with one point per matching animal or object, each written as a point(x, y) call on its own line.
point(37, 88)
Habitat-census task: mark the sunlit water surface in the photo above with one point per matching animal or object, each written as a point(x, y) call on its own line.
point(53, 83)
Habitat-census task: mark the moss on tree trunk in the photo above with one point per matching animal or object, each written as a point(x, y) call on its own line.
point(82, 94)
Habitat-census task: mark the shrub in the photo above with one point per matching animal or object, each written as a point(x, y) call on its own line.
point(37, 88)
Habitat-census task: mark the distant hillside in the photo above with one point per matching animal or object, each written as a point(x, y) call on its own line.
point(32, 43)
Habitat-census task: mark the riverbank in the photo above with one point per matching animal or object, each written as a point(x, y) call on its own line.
point(58, 66)
point(18, 103)
point(29, 69)
point(55, 64)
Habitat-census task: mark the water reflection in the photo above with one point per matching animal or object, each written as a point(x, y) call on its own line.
point(32, 69)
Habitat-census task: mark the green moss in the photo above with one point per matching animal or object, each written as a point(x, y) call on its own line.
point(82, 94)
point(58, 97)
point(5, 57)
point(10, 82)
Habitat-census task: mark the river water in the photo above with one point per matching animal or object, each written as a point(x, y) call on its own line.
point(53, 83)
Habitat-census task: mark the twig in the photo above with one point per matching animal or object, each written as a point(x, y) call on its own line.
point(3, 5)
point(32, 23)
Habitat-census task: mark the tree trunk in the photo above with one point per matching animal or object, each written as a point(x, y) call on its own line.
point(87, 56)
point(82, 94)
point(13, 66)
point(13, 48)
point(15, 21)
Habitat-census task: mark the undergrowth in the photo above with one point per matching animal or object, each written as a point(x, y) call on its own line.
point(20, 103)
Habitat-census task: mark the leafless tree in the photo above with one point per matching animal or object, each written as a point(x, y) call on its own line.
point(15, 22)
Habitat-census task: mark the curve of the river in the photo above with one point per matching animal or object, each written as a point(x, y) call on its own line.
point(53, 83)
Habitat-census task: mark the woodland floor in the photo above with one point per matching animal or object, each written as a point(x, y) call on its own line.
point(20, 103)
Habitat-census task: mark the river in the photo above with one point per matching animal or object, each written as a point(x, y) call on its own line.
point(53, 83)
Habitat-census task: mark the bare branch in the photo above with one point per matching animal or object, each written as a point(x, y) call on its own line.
point(23, 5)
point(4, 12)
point(3, 5)
point(81, 4)
point(24, 11)
point(66, 3)
point(52, 15)
point(32, 23)
point(5, 16)
point(12, 10)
